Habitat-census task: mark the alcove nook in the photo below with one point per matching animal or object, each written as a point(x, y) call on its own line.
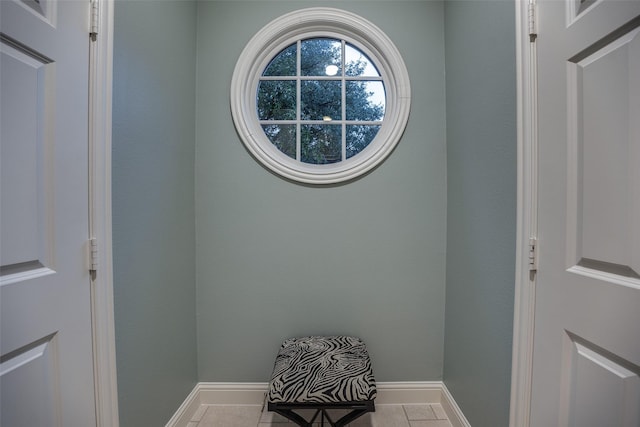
point(217, 259)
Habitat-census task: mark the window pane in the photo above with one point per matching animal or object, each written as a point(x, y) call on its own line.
point(320, 57)
point(321, 100)
point(277, 100)
point(284, 64)
point(358, 64)
point(321, 144)
point(365, 100)
point(359, 137)
point(283, 137)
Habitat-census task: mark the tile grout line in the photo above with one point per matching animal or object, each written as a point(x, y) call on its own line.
point(201, 414)
point(406, 416)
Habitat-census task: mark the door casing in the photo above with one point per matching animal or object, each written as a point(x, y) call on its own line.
point(100, 102)
point(527, 201)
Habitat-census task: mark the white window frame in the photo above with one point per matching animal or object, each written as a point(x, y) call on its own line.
point(314, 23)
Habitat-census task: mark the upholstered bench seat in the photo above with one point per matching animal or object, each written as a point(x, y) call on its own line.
point(322, 373)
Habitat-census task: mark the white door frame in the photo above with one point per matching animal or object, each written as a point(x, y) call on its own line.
point(527, 193)
point(100, 93)
point(100, 197)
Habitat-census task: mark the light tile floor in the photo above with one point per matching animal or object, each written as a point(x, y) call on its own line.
point(254, 416)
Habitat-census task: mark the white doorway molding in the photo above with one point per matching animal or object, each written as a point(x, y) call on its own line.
point(101, 65)
point(524, 303)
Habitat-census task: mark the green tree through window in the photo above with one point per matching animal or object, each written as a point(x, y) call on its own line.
point(321, 101)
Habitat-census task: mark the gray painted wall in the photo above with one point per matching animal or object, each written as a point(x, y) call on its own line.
point(277, 259)
point(375, 264)
point(481, 211)
point(153, 208)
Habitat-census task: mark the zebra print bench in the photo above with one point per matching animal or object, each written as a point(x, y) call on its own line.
point(322, 373)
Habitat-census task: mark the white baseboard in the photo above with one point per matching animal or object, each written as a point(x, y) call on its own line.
point(389, 393)
point(451, 408)
point(187, 410)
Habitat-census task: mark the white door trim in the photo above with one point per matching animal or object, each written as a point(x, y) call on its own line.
point(524, 304)
point(100, 92)
point(103, 315)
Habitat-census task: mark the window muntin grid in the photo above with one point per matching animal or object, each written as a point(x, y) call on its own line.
point(321, 100)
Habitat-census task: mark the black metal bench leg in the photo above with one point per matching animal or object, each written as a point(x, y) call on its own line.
point(289, 414)
point(356, 411)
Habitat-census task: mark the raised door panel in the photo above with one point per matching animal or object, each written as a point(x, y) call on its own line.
point(26, 169)
point(599, 388)
point(603, 156)
point(29, 374)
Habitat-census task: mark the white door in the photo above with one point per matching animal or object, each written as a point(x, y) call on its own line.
point(586, 362)
point(46, 372)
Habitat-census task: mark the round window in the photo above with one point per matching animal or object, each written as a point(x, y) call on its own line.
point(320, 96)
